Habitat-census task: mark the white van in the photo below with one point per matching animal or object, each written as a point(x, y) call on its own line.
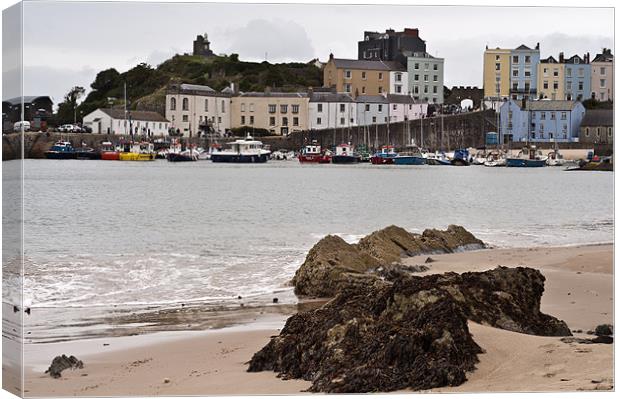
point(17, 127)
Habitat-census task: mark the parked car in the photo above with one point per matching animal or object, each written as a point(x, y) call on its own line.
point(18, 126)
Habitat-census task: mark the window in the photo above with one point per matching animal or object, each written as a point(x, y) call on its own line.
point(219, 119)
point(272, 109)
point(380, 89)
point(398, 89)
point(416, 77)
point(374, 119)
point(296, 121)
point(528, 59)
point(602, 71)
point(497, 66)
point(416, 65)
point(347, 74)
point(223, 106)
point(602, 96)
point(515, 59)
point(342, 121)
point(581, 85)
point(434, 89)
point(364, 75)
point(555, 72)
point(587, 132)
point(318, 121)
point(425, 89)
point(528, 73)
point(399, 77)
point(367, 107)
point(569, 72)
point(435, 67)
point(380, 75)
point(283, 108)
point(242, 107)
point(569, 85)
point(251, 107)
point(251, 119)
point(515, 86)
point(206, 105)
point(272, 121)
point(609, 134)
point(545, 84)
point(416, 90)
point(543, 116)
point(602, 83)
point(555, 85)
point(552, 116)
point(242, 119)
point(341, 107)
point(394, 107)
point(285, 121)
point(173, 104)
point(563, 116)
point(426, 66)
point(380, 107)
point(319, 107)
point(363, 89)
point(347, 88)
point(545, 72)
point(295, 108)
point(435, 78)
point(497, 58)
point(426, 78)
point(581, 72)
point(515, 73)
point(185, 118)
point(185, 104)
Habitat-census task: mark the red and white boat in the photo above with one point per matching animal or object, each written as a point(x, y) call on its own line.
point(314, 154)
point(109, 152)
point(385, 156)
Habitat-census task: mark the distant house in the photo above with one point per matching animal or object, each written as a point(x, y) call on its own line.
point(114, 121)
point(597, 127)
point(330, 110)
point(37, 109)
point(390, 45)
point(405, 108)
point(602, 85)
point(541, 120)
point(425, 77)
point(372, 110)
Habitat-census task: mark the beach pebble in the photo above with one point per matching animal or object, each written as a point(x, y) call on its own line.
point(429, 260)
point(239, 297)
point(166, 380)
point(604, 329)
point(275, 300)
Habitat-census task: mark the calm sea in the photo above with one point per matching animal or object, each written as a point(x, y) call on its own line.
point(114, 235)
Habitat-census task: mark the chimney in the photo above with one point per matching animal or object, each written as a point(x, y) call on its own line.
point(233, 87)
point(331, 56)
point(561, 60)
point(588, 60)
point(538, 46)
point(412, 32)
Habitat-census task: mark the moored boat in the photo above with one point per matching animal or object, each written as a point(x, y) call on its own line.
point(314, 154)
point(245, 150)
point(109, 152)
point(495, 159)
point(437, 158)
point(555, 158)
point(412, 157)
point(528, 157)
point(137, 152)
point(461, 157)
point(385, 156)
point(189, 155)
point(86, 153)
point(345, 155)
point(61, 150)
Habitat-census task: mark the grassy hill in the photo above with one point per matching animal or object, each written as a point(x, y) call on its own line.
point(146, 85)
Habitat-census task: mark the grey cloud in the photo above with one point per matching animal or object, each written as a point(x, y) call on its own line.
point(282, 40)
point(57, 82)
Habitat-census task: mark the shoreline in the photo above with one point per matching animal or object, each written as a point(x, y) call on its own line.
point(578, 290)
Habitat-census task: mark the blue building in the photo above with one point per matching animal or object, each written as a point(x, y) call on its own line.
point(541, 121)
point(524, 72)
point(577, 78)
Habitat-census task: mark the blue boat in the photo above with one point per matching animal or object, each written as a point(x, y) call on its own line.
point(528, 157)
point(61, 150)
point(384, 157)
point(413, 157)
point(461, 157)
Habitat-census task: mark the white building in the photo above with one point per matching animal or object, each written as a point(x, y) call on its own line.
point(426, 77)
point(399, 82)
point(404, 108)
point(372, 110)
point(195, 109)
point(114, 121)
point(331, 110)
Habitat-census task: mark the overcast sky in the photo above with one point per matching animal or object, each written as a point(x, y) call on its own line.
point(66, 44)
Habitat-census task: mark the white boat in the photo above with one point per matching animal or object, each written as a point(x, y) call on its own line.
point(554, 158)
point(245, 150)
point(495, 158)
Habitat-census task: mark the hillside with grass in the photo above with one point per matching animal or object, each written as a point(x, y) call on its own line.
point(146, 85)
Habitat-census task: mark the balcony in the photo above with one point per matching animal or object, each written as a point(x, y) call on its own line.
point(523, 91)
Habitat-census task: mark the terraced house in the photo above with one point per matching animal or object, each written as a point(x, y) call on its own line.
point(279, 113)
point(565, 78)
point(195, 109)
point(425, 77)
point(602, 85)
point(362, 77)
point(510, 73)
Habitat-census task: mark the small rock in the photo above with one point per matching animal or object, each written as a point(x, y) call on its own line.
point(106, 344)
point(604, 329)
point(429, 260)
point(568, 293)
point(275, 300)
point(596, 381)
point(166, 380)
point(590, 332)
point(603, 339)
point(239, 297)
point(61, 363)
point(27, 311)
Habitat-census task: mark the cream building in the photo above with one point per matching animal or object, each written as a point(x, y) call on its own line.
point(602, 86)
point(195, 109)
point(551, 79)
point(496, 73)
point(280, 113)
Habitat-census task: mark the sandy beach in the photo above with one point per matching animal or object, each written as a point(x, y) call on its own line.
point(578, 289)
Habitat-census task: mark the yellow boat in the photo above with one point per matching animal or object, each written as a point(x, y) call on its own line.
point(137, 152)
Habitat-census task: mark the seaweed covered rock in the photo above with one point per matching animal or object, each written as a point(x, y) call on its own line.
point(328, 264)
point(61, 363)
point(405, 331)
point(332, 263)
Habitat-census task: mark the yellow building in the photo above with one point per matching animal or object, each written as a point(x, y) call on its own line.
point(280, 113)
point(550, 79)
point(360, 77)
point(496, 73)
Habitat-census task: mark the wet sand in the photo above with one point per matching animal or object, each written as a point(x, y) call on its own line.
point(578, 289)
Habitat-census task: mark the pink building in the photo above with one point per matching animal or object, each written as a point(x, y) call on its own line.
point(603, 76)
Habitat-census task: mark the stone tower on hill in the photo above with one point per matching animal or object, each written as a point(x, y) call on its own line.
point(201, 46)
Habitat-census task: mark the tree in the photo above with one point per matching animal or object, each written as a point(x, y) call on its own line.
point(67, 109)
